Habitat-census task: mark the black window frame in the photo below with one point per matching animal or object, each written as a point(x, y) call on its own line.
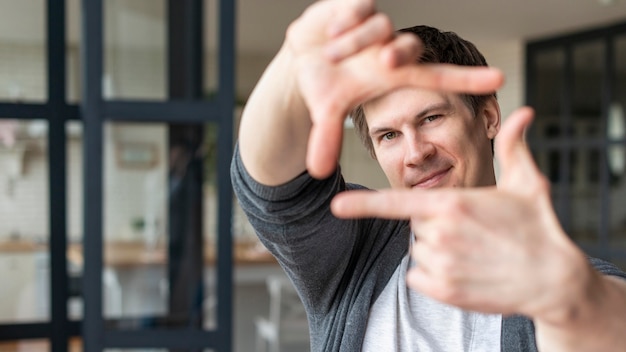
point(94, 111)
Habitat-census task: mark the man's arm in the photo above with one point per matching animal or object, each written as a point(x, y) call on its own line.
point(275, 125)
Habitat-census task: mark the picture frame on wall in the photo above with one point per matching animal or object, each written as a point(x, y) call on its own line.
point(137, 155)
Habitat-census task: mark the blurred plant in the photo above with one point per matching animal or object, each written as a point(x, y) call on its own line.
point(137, 224)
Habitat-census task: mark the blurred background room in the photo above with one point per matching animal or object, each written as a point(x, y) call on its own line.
point(118, 228)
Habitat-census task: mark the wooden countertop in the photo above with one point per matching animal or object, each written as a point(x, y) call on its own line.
point(19, 246)
point(136, 253)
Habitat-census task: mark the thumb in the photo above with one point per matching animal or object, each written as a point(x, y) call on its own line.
point(519, 172)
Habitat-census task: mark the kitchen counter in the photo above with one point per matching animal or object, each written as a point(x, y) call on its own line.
point(136, 253)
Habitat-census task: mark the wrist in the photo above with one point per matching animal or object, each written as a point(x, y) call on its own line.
point(574, 293)
point(595, 323)
point(285, 77)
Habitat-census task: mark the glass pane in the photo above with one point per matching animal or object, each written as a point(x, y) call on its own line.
point(135, 59)
point(585, 195)
point(211, 48)
point(24, 226)
point(619, 84)
point(552, 161)
point(588, 64)
point(74, 159)
point(616, 132)
point(22, 51)
point(210, 187)
point(548, 79)
point(160, 224)
point(135, 218)
point(136, 56)
point(73, 68)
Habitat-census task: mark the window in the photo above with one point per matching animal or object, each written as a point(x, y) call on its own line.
point(577, 85)
point(70, 176)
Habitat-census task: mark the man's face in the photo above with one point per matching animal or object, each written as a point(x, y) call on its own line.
point(430, 139)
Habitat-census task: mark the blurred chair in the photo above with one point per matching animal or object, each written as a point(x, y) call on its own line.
point(287, 323)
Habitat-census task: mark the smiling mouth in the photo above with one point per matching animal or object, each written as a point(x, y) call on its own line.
point(432, 180)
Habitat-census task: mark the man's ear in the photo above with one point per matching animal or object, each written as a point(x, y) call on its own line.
point(491, 117)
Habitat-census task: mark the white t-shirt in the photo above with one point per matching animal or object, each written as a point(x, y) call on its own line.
point(404, 320)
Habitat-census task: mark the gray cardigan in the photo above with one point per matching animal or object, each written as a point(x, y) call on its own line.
point(339, 267)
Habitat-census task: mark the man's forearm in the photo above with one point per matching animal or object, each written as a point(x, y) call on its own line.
point(275, 125)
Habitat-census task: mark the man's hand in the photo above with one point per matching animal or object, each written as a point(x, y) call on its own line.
point(347, 53)
point(494, 250)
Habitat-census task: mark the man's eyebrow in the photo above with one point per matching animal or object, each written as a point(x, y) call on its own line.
point(440, 106)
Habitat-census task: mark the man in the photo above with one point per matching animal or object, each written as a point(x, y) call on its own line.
point(408, 269)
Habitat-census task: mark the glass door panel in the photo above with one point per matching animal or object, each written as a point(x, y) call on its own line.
point(548, 83)
point(23, 52)
point(24, 229)
point(147, 224)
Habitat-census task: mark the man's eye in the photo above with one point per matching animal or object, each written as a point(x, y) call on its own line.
point(432, 118)
point(389, 135)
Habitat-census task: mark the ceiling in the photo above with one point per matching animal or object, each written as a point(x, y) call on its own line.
point(477, 20)
point(262, 23)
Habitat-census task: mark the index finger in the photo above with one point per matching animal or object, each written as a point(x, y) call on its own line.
point(450, 78)
point(387, 204)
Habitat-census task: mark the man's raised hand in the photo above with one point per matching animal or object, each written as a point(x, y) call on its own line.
point(347, 53)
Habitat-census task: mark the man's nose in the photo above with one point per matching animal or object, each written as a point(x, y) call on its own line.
point(418, 150)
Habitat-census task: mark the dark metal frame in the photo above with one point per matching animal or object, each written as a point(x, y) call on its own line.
point(564, 145)
point(57, 112)
point(94, 111)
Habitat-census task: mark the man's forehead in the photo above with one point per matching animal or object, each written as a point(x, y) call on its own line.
point(413, 98)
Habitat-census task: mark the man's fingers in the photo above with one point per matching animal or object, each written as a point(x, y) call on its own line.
point(405, 49)
point(388, 204)
point(510, 141)
point(451, 78)
point(375, 29)
point(518, 170)
point(352, 13)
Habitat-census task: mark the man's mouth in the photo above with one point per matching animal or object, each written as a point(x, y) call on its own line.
point(433, 179)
